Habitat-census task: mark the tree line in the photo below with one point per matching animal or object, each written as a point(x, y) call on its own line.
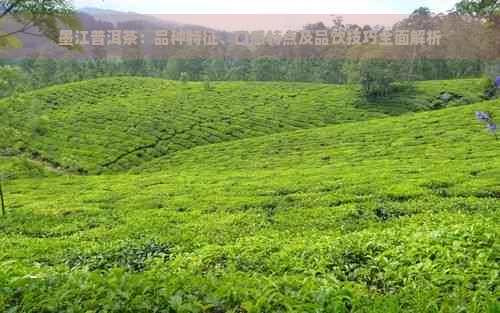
point(31, 74)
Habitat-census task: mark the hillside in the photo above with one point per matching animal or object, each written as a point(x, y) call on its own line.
point(398, 214)
point(438, 136)
point(115, 124)
point(21, 167)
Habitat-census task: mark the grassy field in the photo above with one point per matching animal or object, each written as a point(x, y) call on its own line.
point(111, 125)
point(389, 212)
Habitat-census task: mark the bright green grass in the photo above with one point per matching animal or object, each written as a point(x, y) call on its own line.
point(114, 124)
point(398, 214)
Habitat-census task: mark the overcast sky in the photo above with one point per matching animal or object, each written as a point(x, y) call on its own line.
point(182, 10)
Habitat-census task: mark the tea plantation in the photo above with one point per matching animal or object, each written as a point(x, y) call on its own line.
point(114, 124)
point(249, 197)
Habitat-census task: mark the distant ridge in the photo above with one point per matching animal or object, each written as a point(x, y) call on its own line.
point(89, 10)
point(115, 17)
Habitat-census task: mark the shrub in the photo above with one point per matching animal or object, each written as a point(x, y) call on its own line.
point(486, 82)
point(40, 126)
point(488, 85)
point(129, 254)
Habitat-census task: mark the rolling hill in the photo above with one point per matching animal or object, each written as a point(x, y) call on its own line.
point(395, 214)
point(111, 125)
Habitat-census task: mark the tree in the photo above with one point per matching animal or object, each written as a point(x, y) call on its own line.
point(42, 18)
point(12, 79)
point(216, 69)
point(264, 69)
point(477, 7)
point(375, 75)
point(133, 59)
point(173, 72)
point(488, 12)
point(331, 71)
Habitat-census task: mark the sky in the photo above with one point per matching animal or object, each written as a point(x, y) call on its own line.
point(189, 11)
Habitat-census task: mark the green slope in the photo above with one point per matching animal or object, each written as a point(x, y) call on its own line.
point(391, 215)
point(19, 167)
point(114, 124)
point(432, 137)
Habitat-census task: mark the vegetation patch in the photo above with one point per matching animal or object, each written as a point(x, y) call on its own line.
point(130, 254)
